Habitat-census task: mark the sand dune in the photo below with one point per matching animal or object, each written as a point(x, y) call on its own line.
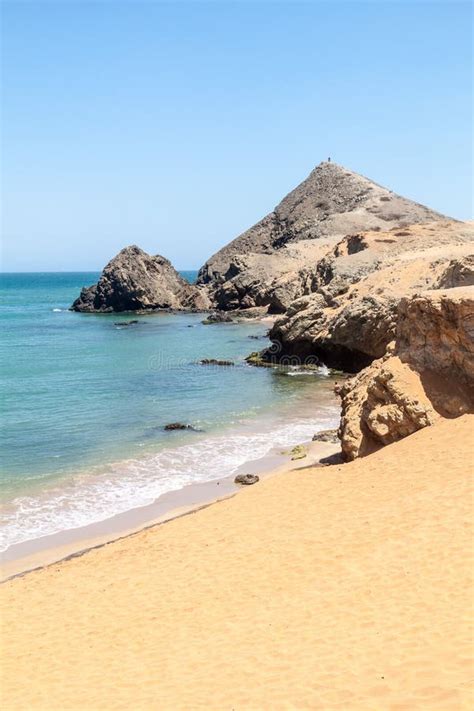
point(346, 587)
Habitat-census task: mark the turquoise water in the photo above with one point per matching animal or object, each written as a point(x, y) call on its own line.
point(85, 399)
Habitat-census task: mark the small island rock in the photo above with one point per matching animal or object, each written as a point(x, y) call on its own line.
point(136, 281)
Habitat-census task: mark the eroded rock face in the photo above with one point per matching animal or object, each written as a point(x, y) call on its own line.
point(341, 334)
point(351, 314)
point(436, 331)
point(134, 280)
point(380, 405)
point(271, 263)
point(459, 272)
point(427, 373)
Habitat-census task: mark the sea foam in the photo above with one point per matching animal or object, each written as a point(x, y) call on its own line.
point(119, 487)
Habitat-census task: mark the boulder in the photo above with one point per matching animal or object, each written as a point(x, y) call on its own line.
point(246, 479)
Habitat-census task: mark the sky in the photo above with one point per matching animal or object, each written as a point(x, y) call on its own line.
point(178, 125)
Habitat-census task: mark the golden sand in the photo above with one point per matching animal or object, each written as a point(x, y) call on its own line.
point(346, 587)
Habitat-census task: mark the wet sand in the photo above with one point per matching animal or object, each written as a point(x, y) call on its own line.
point(341, 587)
point(39, 552)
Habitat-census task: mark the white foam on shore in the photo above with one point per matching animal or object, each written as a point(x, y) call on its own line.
point(89, 498)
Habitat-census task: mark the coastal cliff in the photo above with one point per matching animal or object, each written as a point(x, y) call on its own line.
point(381, 309)
point(351, 315)
point(427, 373)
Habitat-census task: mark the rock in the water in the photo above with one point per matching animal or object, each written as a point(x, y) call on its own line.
point(215, 361)
point(256, 358)
point(177, 426)
point(124, 324)
point(217, 317)
point(246, 479)
point(326, 436)
point(273, 262)
point(135, 281)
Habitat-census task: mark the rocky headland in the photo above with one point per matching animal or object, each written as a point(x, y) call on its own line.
point(363, 280)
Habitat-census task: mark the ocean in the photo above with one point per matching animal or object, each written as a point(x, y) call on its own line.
point(85, 399)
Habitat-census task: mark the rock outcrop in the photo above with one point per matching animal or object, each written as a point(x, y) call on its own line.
point(136, 281)
point(351, 315)
point(427, 373)
point(272, 263)
point(435, 331)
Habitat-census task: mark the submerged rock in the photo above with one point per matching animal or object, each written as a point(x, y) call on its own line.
point(177, 426)
point(136, 281)
point(124, 324)
point(246, 479)
point(215, 361)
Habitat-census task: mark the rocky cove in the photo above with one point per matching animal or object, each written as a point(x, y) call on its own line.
point(360, 279)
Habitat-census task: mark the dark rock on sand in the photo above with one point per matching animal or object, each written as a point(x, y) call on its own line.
point(136, 281)
point(246, 479)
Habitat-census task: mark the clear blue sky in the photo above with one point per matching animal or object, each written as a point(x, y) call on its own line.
point(176, 126)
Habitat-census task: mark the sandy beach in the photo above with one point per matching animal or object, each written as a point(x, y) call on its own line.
point(42, 551)
point(342, 587)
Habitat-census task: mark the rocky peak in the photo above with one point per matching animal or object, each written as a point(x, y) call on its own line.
point(331, 203)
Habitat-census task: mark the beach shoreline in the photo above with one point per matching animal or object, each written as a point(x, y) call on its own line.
point(26, 557)
point(345, 586)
